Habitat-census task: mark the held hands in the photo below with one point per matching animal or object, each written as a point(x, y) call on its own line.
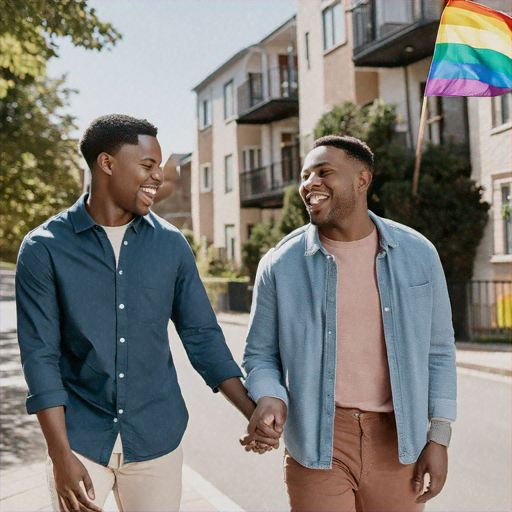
point(434, 461)
point(69, 473)
point(266, 426)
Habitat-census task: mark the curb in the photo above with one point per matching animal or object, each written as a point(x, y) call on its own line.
point(486, 369)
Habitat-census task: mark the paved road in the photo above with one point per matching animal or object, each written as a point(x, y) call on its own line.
point(480, 456)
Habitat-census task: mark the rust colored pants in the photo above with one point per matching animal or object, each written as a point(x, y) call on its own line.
point(366, 474)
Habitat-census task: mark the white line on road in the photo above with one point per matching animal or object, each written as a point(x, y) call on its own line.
point(485, 375)
point(209, 492)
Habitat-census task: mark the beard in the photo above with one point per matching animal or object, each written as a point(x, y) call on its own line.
point(343, 207)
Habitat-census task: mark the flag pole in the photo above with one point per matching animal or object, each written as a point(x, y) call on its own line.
point(417, 162)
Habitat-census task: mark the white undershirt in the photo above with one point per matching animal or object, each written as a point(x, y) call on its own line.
point(115, 235)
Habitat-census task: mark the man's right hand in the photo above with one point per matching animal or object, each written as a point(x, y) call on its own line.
point(267, 421)
point(69, 473)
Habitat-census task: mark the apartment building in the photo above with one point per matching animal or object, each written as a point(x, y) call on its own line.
point(173, 199)
point(490, 121)
point(360, 51)
point(247, 132)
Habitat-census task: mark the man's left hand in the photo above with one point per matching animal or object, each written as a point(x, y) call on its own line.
point(434, 461)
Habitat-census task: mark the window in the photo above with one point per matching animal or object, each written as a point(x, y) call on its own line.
point(505, 218)
point(228, 173)
point(251, 158)
point(205, 114)
point(229, 231)
point(306, 37)
point(501, 109)
point(334, 25)
point(229, 100)
point(206, 178)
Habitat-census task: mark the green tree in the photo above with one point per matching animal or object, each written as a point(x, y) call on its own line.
point(295, 214)
point(449, 209)
point(40, 173)
point(29, 33)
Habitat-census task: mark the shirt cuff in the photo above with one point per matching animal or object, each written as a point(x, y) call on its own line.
point(46, 400)
point(221, 372)
point(440, 432)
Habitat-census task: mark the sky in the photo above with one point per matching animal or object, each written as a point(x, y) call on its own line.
point(168, 47)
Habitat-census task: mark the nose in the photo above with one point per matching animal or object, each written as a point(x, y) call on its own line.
point(312, 180)
point(158, 175)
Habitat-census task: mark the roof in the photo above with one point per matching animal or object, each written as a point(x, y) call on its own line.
point(239, 55)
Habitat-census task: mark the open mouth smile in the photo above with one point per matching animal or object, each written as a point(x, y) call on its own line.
point(314, 199)
point(149, 192)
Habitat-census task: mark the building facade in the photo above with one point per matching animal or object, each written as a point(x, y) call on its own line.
point(247, 130)
point(173, 199)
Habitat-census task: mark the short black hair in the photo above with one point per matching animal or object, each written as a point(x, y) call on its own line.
point(109, 133)
point(355, 148)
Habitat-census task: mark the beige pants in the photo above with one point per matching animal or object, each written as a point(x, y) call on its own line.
point(148, 486)
point(366, 475)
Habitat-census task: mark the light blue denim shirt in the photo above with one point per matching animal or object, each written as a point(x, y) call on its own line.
point(291, 343)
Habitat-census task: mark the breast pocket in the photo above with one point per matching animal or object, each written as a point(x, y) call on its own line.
point(154, 297)
point(420, 290)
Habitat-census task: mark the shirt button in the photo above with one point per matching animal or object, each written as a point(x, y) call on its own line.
point(115, 420)
point(125, 243)
point(330, 332)
point(96, 228)
point(121, 306)
point(122, 340)
point(120, 272)
point(120, 411)
point(386, 309)
point(121, 375)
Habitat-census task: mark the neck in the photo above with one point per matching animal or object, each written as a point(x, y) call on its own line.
point(104, 211)
point(355, 227)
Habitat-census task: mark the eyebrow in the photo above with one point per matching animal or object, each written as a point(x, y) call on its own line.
point(316, 166)
point(148, 158)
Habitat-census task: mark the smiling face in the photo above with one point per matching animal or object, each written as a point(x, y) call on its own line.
point(330, 186)
point(136, 175)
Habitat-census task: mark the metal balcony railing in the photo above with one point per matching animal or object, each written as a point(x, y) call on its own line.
point(481, 309)
point(375, 21)
point(270, 181)
point(280, 83)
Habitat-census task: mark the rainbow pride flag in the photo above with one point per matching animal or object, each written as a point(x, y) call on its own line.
point(473, 52)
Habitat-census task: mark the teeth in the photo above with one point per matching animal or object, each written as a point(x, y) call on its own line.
point(317, 198)
point(149, 190)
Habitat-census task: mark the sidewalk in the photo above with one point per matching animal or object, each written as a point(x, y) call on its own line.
point(490, 358)
point(24, 489)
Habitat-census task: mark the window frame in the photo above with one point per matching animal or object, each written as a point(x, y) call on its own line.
point(228, 177)
point(499, 107)
point(329, 17)
point(229, 85)
point(202, 188)
point(230, 251)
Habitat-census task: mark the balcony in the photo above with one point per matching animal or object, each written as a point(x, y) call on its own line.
point(264, 187)
point(268, 97)
point(394, 33)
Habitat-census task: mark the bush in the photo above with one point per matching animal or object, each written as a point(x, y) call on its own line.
point(449, 209)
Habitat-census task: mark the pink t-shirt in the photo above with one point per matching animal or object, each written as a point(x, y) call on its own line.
point(362, 372)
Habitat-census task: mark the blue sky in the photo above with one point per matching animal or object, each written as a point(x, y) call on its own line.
point(168, 47)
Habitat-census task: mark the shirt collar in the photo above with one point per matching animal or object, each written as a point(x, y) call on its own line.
point(386, 238)
point(82, 220)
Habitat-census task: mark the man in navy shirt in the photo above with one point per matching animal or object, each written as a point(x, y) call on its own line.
point(95, 288)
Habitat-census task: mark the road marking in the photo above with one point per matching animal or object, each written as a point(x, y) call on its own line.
point(209, 492)
point(484, 375)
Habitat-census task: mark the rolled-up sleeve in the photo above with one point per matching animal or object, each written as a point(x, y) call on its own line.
point(262, 361)
point(442, 395)
point(39, 328)
point(197, 325)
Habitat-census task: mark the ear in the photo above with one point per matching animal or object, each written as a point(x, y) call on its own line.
point(364, 181)
point(105, 162)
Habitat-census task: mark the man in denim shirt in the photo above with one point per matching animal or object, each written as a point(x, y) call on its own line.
point(95, 288)
point(351, 343)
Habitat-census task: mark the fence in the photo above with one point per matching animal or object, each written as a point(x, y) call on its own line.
point(482, 310)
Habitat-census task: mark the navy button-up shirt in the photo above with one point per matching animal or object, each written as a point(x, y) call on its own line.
point(94, 338)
